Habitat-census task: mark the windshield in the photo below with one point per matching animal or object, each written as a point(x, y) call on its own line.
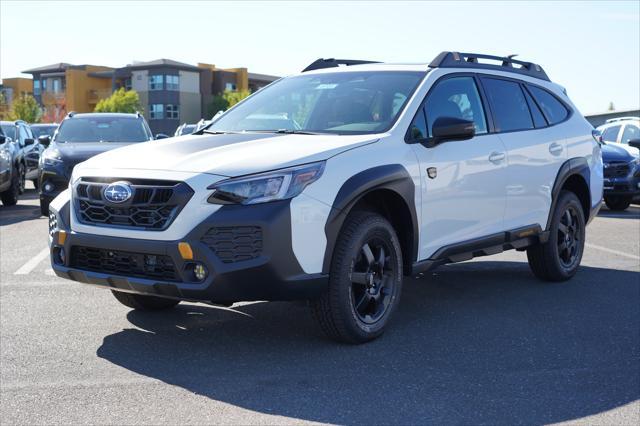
point(43, 130)
point(9, 130)
point(339, 103)
point(102, 129)
point(188, 129)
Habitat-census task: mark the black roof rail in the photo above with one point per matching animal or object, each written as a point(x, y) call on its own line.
point(321, 63)
point(470, 60)
point(71, 114)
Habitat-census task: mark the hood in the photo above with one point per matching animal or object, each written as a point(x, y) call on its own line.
point(81, 151)
point(228, 154)
point(611, 152)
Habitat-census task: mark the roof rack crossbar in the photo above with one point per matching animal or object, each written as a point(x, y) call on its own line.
point(332, 63)
point(470, 60)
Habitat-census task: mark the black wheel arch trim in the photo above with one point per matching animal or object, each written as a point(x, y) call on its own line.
point(392, 177)
point(573, 166)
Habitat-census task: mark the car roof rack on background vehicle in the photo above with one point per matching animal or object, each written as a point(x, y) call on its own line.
point(321, 63)
point(470, 60)
point(71, 114)
point(613, 120)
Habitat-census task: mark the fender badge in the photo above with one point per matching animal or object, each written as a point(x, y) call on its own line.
point(432, 172)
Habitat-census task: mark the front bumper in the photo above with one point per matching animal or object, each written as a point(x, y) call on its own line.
point(625, 186)
point(57, 176)
point(270, 272)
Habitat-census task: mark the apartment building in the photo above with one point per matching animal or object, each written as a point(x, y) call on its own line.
point(64, 87)
point(171, 92)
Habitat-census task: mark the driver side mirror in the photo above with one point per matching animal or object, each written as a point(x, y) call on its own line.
point(635, 143)
point(447, 129)
point(44, 140)
point(161, 136)
point(29, 141)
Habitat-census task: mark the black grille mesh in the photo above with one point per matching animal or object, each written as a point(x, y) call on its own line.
point(153, 206)
point(616, 170)
point(159, 267)
point(234, 243)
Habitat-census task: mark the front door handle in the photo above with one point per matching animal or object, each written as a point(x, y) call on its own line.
point(555, 148)
point(496, 157)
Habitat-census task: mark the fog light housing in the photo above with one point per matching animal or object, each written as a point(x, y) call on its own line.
point(48, 187)
point(59, 255)
point(200, 271)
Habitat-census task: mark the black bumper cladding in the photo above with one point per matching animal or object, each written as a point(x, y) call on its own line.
point(246, 250)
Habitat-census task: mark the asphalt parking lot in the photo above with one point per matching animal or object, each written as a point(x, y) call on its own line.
point(481, 342)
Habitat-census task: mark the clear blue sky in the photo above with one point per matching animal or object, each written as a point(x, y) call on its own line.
point(592, 48)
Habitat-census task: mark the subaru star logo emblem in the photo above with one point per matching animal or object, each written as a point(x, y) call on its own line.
point(118, 192)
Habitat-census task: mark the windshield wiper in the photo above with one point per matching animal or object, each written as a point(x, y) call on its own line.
point(290, 132)
point(214, 132)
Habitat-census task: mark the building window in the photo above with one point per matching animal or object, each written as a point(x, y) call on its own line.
point(229, 86)
point(155, 111)
point(155, 82)
point(173, 111)
point(173, 82)
point(36, 87)
point(127, 83)
point(57, 87)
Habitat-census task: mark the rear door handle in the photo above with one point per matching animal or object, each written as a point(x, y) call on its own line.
point(496, 157)
point(555, 148)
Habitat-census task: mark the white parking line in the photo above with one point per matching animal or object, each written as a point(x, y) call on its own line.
point(608, 250)
point(32, 263)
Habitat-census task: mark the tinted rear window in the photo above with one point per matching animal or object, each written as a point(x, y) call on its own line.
point(552, 108)
point(508, 104)
point(538, 118)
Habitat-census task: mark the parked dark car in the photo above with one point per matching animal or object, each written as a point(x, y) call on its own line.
point(621, 175)
point(20, 132)
point(80, 137)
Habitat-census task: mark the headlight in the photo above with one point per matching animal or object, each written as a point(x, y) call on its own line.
point(262, 188)
point(51, 157)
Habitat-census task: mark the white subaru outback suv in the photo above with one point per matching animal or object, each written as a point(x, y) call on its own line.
point(333, 184)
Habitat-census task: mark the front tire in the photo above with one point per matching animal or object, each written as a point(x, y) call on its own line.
point(44, 207)
point(10, 196)
point(559, 258)
point(144, 303)
point(22, 172)
point(617, 202)
point(365, 280)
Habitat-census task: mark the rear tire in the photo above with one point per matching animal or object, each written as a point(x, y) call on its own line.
point(617, 202)
point(22, 172)
point(35, 183)
point(44, 207)
point(10, 196)
point(144, 303)
point(559, 258)
point(365, 280)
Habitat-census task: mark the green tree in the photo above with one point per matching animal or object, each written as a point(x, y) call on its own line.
point(234, 96)
point(120, 101)
point(25, 108)
point(218, 103)
point(4, 107)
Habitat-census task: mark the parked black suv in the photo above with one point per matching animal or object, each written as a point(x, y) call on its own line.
point(11, 169)
point(80, 137)
point(621, 175)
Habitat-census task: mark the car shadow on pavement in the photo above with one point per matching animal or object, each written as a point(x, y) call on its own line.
point(632, 212)
point(18, 213)
point(472, 343)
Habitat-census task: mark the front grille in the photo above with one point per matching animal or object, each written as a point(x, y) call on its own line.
point(153, 205)
point(148, 266)
point(234, 243)
point(616, 170)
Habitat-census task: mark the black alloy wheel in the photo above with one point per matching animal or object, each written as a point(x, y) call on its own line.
point(569, 236)
point(373, 280)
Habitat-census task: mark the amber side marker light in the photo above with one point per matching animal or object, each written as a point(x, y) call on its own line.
point(62, 237)
point(185, 251)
